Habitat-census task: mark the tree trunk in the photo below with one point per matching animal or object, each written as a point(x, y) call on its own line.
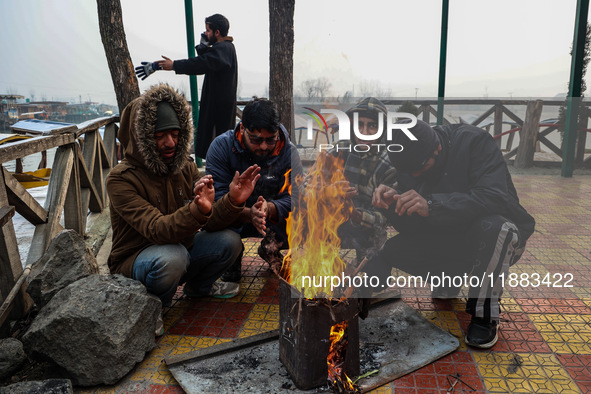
point(281, 59)
point(528, 136)
point(115, 44)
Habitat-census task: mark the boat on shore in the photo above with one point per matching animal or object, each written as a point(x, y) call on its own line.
point(28, 179)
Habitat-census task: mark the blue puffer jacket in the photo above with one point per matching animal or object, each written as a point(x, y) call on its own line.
point(226, 155)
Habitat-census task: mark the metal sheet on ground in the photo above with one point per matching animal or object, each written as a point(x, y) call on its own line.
point(401, 340)
point(249, 365)
point(394, 336)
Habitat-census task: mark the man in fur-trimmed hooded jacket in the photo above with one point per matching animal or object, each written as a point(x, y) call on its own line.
point(159, 202)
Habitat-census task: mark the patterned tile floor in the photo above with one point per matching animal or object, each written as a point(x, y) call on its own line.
point(545, 338)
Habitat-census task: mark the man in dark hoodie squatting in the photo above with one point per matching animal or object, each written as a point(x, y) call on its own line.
point(457, 213)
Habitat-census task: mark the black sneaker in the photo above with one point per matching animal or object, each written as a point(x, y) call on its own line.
point(482, 334)
point(234, 272)
point(445, 292)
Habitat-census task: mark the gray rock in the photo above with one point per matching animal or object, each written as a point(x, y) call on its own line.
point(50, 386)
point(66, 260)
point(12, 356)
point(96, 329)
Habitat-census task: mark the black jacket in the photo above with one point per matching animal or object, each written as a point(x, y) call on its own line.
point(469, 180)
point(217, 112)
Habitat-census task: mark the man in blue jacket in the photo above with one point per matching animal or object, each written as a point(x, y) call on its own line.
point(258, 139)
point(457, 213)
point(217, 60)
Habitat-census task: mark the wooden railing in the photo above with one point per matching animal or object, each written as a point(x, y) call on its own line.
point(76, 186)
point(504, 125)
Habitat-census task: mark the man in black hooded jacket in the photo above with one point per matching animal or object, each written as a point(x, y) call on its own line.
point(457, 213)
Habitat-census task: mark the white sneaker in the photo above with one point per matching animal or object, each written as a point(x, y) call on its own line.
point(221, 289)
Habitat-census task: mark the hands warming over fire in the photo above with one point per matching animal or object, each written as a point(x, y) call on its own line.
point(204, 194)
point(342, 189)
point(242, 185)
point(258, 215)
point(409, 202)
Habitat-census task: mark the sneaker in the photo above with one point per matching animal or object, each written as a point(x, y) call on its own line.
point(219, 289)
point(445, 292)
point(234, 272)
point(482, 334)
point(159, 331)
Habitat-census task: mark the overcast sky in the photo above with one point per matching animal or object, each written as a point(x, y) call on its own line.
point(52, 50)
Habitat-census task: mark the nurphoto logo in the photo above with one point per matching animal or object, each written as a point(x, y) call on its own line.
point(395, 122)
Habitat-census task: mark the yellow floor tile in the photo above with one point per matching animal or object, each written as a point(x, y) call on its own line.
point(522, 372)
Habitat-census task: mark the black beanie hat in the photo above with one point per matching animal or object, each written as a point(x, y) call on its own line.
point(369, 107)
point(166, 117)
point(218, 22)
point(414, 154)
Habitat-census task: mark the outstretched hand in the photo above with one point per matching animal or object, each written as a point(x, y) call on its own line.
point(165, 64)
point(242, 185)
point(146, 69)
point(204, 194)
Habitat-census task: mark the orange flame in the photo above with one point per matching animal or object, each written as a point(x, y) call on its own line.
point(312, 229)
point(286, 183)
point(315, 246)
point(336, 358)
point(285, 270)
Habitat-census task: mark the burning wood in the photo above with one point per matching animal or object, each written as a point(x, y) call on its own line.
point(304, 340)
point(337, 378)
point(319, 329)
point(312, 227)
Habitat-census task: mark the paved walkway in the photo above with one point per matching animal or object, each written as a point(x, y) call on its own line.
point(545, 339)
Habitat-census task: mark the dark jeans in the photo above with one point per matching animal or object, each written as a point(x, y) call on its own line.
point(485, 250)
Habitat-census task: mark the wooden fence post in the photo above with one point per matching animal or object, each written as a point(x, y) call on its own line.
point(498, 128)
point(529, 135)
point(426, 112)
point(10, 261)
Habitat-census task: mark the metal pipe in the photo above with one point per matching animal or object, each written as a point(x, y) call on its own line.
point(192, 78)
point(442, 61)
point(574, 90)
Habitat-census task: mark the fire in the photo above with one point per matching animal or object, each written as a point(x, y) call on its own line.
point(314, 247)
point(286, 183)
point(337, 377)
point(312, 227)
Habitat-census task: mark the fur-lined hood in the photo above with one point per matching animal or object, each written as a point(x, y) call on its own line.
point(138, 122)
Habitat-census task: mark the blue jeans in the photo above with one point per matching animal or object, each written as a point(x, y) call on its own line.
point(161, 268)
